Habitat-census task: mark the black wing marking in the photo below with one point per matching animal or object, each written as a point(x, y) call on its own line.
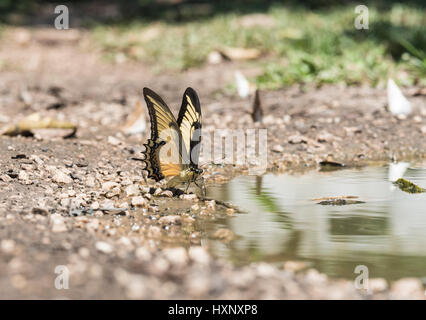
point(189, 121)
point(164, 154)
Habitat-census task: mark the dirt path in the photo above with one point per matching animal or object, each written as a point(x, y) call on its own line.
point(152, 249)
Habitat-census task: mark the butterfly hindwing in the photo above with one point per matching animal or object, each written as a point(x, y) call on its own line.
point(189, 122)
point(164, 154)
point(152, 161)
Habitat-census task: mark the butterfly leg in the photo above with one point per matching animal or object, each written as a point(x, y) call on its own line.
point(187, 187)
point(202, 187)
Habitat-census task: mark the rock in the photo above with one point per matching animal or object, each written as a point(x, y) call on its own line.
point(168, 220)
point(265, 270)
point(160, 265)
point(95, 205)
point(5, 178)
point(154, 232)
point(224, 234)
point(315, 277)
point(23, 176)
point(167, 193)
point(230, 211)
point(407, 288)
point(59, 176)
point(84, 252)
point(417, 119)
point(188, 196)
point(143, 254)
point(294, 266)
point(126, 242)
point(90, 181)
point(58, 223)
point(214, 57)
point(145, 189)
point(37, 159)
point(134, 284)
point(65, 202)
point(18, 281)
point(132, 190)
point(296, 139)
point(211, 205)
point(107, 204)
point(93, 225)
point(325, 137)
point(136, 288)
point(176, 256)
point(109, 185)
point(139, 201)
point(377, 285)
point(278, 148)
point(198, 286)
point(104, 247)
point(68, 163)
point(40, 211)
point(199, 255)
point(114, 141)
point(7, 246)
point(27, 167)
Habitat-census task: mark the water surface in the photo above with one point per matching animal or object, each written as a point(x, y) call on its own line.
point(387, 233)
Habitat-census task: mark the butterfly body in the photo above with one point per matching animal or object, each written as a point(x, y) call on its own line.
point(185, 176)
point(173, 149)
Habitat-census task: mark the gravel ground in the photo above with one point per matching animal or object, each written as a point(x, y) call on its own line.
point(59, 199)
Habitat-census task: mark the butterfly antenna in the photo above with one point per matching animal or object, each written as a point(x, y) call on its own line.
point(203, 165)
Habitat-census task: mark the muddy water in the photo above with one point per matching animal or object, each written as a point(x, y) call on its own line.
point(387, 233)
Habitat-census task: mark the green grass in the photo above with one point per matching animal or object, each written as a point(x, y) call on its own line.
point(301, 47)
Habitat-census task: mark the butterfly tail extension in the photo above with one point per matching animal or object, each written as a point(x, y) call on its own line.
point(151, 159)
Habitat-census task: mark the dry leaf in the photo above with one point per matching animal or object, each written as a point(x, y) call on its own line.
point(240, 53)
point(397, 103)
point(135, 121)
point(36, 121)
point(257, 113)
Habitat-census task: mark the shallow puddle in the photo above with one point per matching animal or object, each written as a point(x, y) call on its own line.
point(282, 222)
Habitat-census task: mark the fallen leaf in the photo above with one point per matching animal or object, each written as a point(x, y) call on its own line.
point(333, 164)
point(240, 53)
point(135, 121)
point(397, 170)
point(244, 88)
point(335, 198)
point(257, 112)
point(36, 121)
point(339, 202)
point(397, 103)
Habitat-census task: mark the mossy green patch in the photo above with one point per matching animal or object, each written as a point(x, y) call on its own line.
point(408, 186)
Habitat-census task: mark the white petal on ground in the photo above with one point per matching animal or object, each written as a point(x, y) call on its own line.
point(243, 86)
point(397, 170)
point(397, 103)
point(136, 121)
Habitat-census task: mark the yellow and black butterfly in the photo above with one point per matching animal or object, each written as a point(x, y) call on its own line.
point(174, 147)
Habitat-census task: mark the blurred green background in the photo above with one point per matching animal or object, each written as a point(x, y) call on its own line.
point(298, 41)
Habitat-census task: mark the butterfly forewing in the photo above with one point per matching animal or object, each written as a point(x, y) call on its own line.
point(164, 155)
point(189, 122)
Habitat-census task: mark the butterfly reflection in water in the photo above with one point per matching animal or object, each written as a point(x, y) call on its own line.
point(174, 147)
